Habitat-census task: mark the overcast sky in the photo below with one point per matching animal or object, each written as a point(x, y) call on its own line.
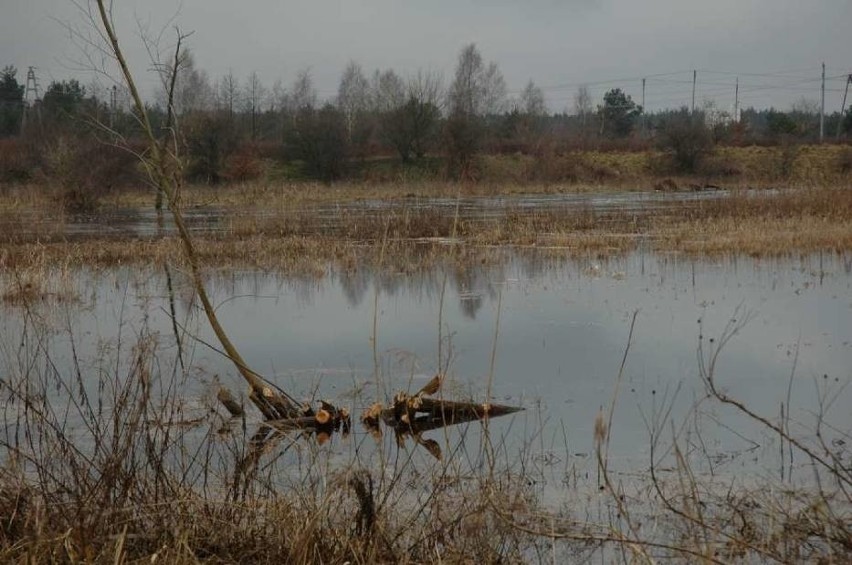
point(774, 46)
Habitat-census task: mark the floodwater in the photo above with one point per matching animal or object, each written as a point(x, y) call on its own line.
point(545, 334)
point(143, 222)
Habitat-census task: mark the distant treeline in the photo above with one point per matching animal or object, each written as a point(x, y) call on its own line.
point(228, 127)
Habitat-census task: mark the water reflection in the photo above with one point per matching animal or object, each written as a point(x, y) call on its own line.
point(562, 332)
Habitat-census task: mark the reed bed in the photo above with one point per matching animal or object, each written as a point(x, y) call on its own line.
point(308, 240)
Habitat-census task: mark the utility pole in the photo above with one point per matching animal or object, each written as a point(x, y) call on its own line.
point(694, 79)
point(113, 102)
point(737, 101)
point(843, 106)
point(643, 106)
point(822, 107)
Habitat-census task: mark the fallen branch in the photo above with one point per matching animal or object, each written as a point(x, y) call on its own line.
point(411, 415)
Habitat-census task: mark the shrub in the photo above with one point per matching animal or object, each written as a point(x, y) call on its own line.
point(318, 138)
point(86, 170)
point(243, 165)
point(558, 168)
point(463, 136)
point(16, 162)
point(686, 140)
point(786, 159)
point(210, 140)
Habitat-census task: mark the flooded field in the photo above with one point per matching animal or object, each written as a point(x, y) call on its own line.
point(665, 401)
point(557, 331)
point(326, 218)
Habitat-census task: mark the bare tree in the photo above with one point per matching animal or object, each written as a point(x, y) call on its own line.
point(410, 117)
point(303, 94)
point(387, 91)
point(192, 90)
point(805, 106)
point(427, 87)
point(255, 95)
point(583, 107)
point(228, 93)
point(353, 95)
point(163, 163)
point(467, 90)
point(477, 89)
point(425, 93)
point(532, 101)
point(494, 101)
point(805, 113)
point(525, 123)
point(278, 96)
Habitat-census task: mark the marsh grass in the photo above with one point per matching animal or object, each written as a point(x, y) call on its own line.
point(414, 235)
point(39, 282)
point(804, 221)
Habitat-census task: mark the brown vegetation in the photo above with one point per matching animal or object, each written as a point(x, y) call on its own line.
point(293, 236)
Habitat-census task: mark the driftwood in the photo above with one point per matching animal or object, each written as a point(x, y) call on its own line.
point(227, 399)
point(327, 419)
point(411, 415)
point(420, 413)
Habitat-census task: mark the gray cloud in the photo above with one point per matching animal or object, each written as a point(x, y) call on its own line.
point(558, 44)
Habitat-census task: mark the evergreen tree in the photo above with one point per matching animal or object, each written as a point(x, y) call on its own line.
point(11, 102)
point(618, 113)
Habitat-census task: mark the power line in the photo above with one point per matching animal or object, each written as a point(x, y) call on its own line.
point(607, 81)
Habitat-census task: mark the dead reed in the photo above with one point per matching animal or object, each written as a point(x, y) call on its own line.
point(309, 239)
point(118, 466)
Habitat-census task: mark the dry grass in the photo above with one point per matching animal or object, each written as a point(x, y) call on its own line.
point(801, 221)
point(300, 239)
point(117, 466)
point(39, 280)
point(757, 237)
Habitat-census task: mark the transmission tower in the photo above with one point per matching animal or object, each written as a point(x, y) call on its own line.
point(31, 99)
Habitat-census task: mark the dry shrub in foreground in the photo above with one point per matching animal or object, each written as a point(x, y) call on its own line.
point(117, 466)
